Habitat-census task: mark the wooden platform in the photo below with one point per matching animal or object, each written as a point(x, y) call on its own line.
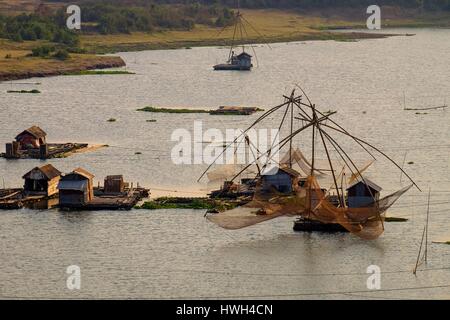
point(103, 201)
point(55, 150)
point(13, 199)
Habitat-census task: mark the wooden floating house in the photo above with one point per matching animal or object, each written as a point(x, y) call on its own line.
point(76, 188)
point(40, 190)
point(31, 138)
point(32, 143)
point(363, 193)
point(45, 187)
point(76, 192)
point(240, 62)
point(42, 181)
point(281, 181)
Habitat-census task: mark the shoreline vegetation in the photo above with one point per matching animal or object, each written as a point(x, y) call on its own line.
point(224, 112)
point(97, 72)
point(40, 49)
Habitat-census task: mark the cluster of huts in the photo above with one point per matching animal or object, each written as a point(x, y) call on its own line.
point(74, 190)
point(360, 193)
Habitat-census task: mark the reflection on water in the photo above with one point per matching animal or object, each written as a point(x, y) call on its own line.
point(175, 253)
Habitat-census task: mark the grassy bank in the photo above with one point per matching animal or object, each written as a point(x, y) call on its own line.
point(274, 25)
point(16, 62)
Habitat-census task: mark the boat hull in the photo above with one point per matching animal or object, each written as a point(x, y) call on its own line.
point(307, 225)
point(231, 67)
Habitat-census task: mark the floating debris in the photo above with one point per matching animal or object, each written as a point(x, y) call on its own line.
point(170, 110)
point(222, 110)
point(235, 110)
point(24, 91)
point(112, 120)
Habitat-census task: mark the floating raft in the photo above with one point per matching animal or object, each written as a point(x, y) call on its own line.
point(14, 199)
point(103, 201)
point(52, 150)
point(231, 67)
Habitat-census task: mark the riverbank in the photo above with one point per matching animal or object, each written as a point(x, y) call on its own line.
point(20, 66)
point(271, 25)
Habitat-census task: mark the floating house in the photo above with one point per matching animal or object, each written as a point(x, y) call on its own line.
point(281, 181)
point(76, 188)
point(241, 62)
point(363, 193)
point(114, 184)
point(42, 181)
point(32, 143)
point(31, 138)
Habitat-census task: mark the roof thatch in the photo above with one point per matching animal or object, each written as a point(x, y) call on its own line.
point(35, 131)
point(49, 171)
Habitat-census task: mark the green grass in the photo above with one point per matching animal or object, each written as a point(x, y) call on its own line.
point(188, 203)
point(24, 91)
point(167, 110)
point(97, 72)
point(165, 203)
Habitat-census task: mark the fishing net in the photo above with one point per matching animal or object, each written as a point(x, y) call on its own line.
point(312, 202)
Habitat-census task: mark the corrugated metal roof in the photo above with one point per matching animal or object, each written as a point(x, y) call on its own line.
point(35, 131)
point(74, 185)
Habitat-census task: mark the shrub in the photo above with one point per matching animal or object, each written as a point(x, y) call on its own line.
point(61, 54)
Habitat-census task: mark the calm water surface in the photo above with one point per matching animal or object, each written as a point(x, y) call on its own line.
point(177, 253)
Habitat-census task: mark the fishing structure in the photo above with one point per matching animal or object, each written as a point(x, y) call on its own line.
point(353, 204)
point(239, 61)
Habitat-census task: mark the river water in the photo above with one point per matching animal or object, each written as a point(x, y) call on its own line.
point(177, 253)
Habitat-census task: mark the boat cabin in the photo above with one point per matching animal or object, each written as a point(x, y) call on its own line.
point(281, 180)
point(76, 188)
point(244, 60)
point(42, 181)
point(31, 138)
point(363, 193)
